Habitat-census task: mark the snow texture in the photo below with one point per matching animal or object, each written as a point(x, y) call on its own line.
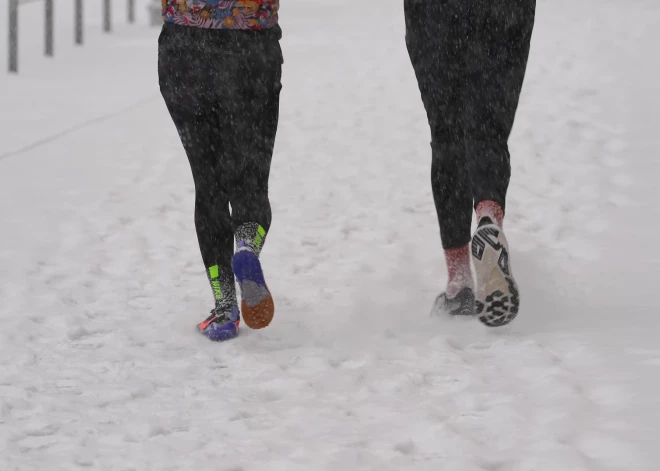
point(101, 283)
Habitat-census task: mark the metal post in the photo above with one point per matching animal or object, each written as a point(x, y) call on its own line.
point(49, 28)
point(13, 35)
point(156, 13)
point(79, 21)
point(131, 11)
point(106, 16)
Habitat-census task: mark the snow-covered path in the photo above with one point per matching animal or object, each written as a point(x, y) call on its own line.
point(101, 282)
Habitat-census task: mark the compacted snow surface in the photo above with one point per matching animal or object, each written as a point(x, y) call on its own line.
point(101, 282)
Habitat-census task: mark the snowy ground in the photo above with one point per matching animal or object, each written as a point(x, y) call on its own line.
point(101, 282)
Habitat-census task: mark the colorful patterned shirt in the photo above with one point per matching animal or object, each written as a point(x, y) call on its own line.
point(222, 14)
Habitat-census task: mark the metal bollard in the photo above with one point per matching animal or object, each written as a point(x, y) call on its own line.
point(48, 33)
point(79, 21)
point(156, 13)
point(49, 27)
point(13, 35)
point(106, 16)
point(131, 11)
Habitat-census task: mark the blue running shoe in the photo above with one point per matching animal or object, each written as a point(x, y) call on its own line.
point(221, 326)
point(257, 304)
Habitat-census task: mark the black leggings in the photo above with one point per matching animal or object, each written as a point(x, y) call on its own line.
point(222, 90)
point(470, 58)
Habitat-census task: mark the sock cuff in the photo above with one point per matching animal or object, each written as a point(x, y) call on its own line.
point(252, 235)
point(458, 259)
point(223, 286)
point(491, 209)
point(458, 269)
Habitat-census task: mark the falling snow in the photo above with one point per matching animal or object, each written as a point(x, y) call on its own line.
point(101, 283)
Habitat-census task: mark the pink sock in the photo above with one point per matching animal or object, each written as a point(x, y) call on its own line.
point(491, 209)
point(458, 268)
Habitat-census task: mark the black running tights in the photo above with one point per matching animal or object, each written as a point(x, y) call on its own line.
point(222, 90)
point(469, 58)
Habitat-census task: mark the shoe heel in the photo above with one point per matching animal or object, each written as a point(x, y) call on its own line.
point(257, 303)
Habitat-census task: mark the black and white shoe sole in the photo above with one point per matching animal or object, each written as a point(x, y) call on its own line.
point(460, 305)
point(497, 300)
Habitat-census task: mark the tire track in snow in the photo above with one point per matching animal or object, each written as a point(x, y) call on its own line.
point(76, 128)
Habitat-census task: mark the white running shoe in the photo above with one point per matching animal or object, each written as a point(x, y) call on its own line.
point(496, 299)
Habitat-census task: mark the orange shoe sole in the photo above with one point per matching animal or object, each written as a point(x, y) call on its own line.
point(259, 316)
